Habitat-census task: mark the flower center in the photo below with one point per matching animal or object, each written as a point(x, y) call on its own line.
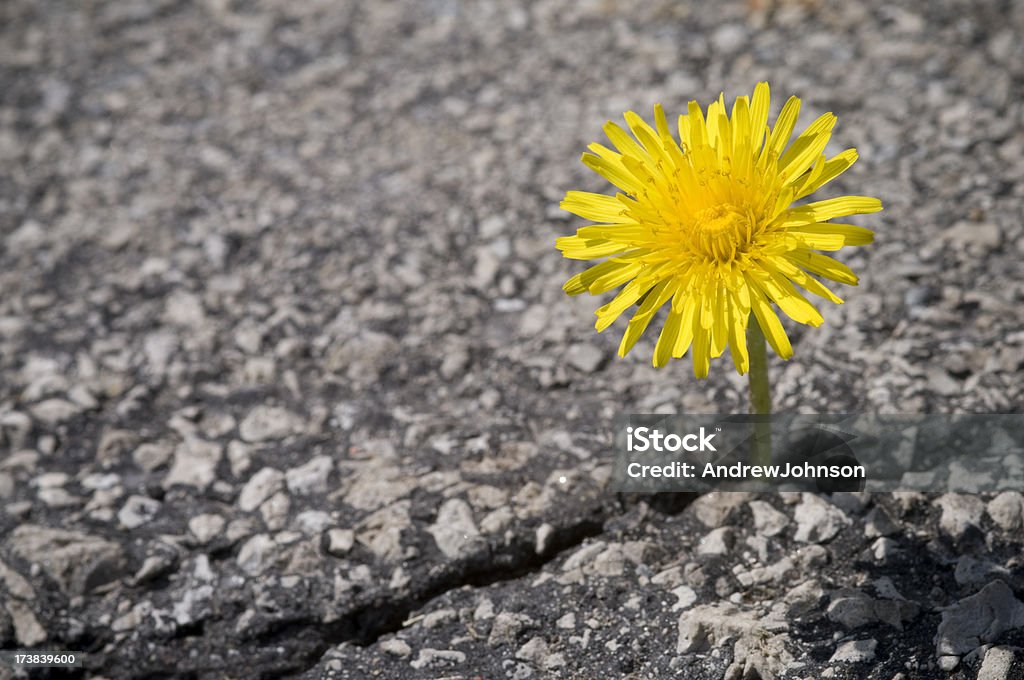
point(722, 232)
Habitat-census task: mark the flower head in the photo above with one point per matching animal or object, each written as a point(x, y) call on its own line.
point(709, 226)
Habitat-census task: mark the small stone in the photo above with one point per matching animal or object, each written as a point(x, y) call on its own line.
point(78, 562)
point(155, 566)
point(206, 527)
point(852, 609)
point(185, 309)
point(313, 522)
point(609, 562)
point(15, 428)
point(340, 541)
point(884, 549)
point(997, 664)
point(437, 657)
point(55, 411)
point(978, 619)
point(817, 520)
point(485, 268)
point(399, 579)
point(137, 511)
point(310, 478)
point(542, 538)
point(759, 640)
point(803, 598)
point(949, 662)
point(274, 511)
point(160, 347)
point(238, 457)
point(364, 357)
point(584, 555)
point(960, 513)
point(454, 530)
point(259, 488)
point(396, 647)
point(56, 497)
point(497, 521)
point(713, 509)
point(1007, 510)
point(767, 520)
point(686, 597)
point(976, 238)
point(484, 609)
point(381, 532)
point(257, 554)
point(195, 464)
point(717, 542)
point(267, 423)
point(50, 480)
point(855, 651)
point(134, 618)
point(27, 629)
point(439, 618)
point(972, 571)
point(151, 456)
point(729, 38)
point(941, 382)
point(455, 363)
point(673, 576)
point(506, 627)
point(534, 650)
point(586, 357)
point(114, 445)
point(567, 622)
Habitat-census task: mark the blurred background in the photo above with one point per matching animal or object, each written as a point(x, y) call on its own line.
point(284, 354)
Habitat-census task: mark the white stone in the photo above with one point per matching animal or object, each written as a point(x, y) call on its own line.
point(206, 527)
point(340, 541)
point(855, 651)
point(687, 596)
point(274, 511)
point(311, 522)
point(27, 629)
point(395, 647)
point(257, 554)
point(997, 664)
point(259, 488)
point(437, 657)
point(586, 357)
point(817, 520)
point(1007, 510)
point(767, 520)
point(454, 531)
point(716, 542)
point(195, 464)
point(267, 423)
point(310, 478)
point(960, 513)
point(137, 510)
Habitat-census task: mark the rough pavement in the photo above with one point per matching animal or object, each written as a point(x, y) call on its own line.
point(288, 384)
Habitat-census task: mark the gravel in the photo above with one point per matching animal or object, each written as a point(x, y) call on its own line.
point(288, 376)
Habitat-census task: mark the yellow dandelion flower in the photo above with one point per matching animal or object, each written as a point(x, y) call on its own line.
point(710, 224)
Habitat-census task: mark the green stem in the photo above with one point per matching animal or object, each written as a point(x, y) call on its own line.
point(760, 393)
